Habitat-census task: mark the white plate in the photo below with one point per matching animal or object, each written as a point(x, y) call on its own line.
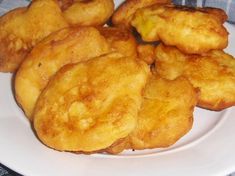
point(208, 149)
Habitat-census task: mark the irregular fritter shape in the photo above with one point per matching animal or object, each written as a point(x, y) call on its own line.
point(69, 45)
point(87, 12)
point(166, 113)
point(22, 28)
point(192, 30)
point(89, 105)
point(165, 116)
point(146, 53)
point(213, 73)
point(120, 40)
point(123, 15)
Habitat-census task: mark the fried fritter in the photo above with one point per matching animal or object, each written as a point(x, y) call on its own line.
point(123, 15)
point(165, 116)
point(213, 73)
point(87, 12)
point(146, 53)
point(69, 45)
point(22, 28)
point(192, 30)
point(90, 105)
point(120, 40)
point(166, 113)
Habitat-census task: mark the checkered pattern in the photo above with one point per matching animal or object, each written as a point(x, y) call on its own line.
point(227, 5)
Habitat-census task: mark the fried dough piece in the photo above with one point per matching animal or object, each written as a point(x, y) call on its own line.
point(192, 30)
point(146, 53)
point(69, 45)
point(123, 15)
point(166, 113)
point(22, 28)
point(88, 106)
point(165, 116)
point(87, 12)
point(120, 40)
point(213, 73)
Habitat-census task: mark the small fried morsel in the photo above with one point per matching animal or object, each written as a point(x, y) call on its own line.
point(165, 116)
point(123, 15)
point(120, 40)
point(22, 28)
point(90, 105)
point(192, 30)
point(146, 53)
point(213, 73)
point(69, 45)
point(87, 12)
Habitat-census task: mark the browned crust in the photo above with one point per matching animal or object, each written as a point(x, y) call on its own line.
point(123, 15)
point(221, 105)
point(118, 146)
point(9, 58)
point(120, 40)
point(146, 53)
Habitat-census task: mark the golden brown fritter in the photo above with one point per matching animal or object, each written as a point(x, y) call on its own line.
point(69, 45)
point(213, 73)
point(120, 40)
point(123, 15)
point(90, 105)
point(166, 113)
point(165, 116)
point(87, 12)
point(22, 28)
point(146, 53)
point(192, 30)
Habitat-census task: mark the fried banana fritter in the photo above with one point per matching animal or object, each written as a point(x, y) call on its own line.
point(123, 15)
point(90, 105)
point(69, 45)
point(22, 28)
point(165, 116)
point(213, 73)
point(87, 12)
point(192, 30)
point(120, 40)
point(146, 53)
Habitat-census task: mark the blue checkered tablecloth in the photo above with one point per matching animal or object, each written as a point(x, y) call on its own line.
point(227, 5)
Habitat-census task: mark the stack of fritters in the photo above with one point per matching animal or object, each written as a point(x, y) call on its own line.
point(22, 28)
point(89, 88)
point(213, 73)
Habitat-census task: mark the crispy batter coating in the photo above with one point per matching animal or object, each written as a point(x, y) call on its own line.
point(213, 73)
point(87, 12)
point(166, 113)
point(22, 28)
point(146, 53)
point(118, 146)
point(123, 15)
point(90, 105)
point(165, 116)
point(69, 45)
point(120, 40)
point(192, 30)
